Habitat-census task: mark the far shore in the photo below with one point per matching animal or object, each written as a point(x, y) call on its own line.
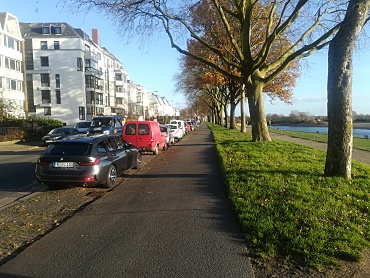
point(355, 125)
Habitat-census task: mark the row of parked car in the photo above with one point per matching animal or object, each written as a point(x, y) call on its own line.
point(98, 155)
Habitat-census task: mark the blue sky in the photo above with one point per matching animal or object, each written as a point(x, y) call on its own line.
point(155, 64)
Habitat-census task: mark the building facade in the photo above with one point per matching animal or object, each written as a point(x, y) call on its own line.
point(11, 73)
point(67, 75)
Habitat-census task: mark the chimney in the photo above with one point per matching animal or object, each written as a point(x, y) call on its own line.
point(95, 36)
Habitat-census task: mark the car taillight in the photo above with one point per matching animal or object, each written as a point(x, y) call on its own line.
point(91, 163)
point(39, 162)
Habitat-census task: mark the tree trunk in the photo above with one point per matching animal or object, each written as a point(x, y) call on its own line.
point(226, 123)
point(232, 115)
point(340, 137)
point(256, 109)
point(233, 92)
point(243, 127)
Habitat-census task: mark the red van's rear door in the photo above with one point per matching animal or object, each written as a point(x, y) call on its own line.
point(129, 133)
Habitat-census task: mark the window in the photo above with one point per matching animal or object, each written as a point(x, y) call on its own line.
point(102, 147)
point(18, 66)
point(58, 30)
point(44, 45)
point(112, 144)
point(46, 30)
point(45, 96)
point(57, 94)
point(89, 81)
point(131, 129)
point(80, 64)
point(57, 80)
point(30, 94)
point(12, 64)
point(44, 61)
point(56, 45)
point(11, 43)
point(119, 100)
point(45, 80)
point(12, 84)
point(81, 113)
point(143, 129)
point(47, 111)
point(29, 60)
point(92, 95)
point(1, 82)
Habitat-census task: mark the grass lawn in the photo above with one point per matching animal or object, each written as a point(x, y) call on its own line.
point(287, 207)
point(358, 143)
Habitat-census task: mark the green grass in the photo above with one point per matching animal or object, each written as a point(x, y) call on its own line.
point(358, 143)
point(287, 207)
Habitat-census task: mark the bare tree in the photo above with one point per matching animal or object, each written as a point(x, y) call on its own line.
point(309, 25)
point(340, 133)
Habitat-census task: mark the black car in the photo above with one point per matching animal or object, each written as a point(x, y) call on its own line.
point(60, 133)
point(88, 161)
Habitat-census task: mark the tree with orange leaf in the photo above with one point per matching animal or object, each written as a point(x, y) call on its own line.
point(257, 32)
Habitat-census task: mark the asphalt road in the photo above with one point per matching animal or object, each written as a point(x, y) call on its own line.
point(17, 174)
point(170, 219)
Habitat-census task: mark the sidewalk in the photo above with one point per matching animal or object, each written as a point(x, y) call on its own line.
point(171, 219)
point(14, 146)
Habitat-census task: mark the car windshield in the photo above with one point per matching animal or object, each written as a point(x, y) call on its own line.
point(57, 131)
point(69, 149)
point(102, 122)
point(83, 125)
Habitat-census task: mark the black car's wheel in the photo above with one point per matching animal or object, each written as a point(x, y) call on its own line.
point(111, 177)
point(138, 161)
point(155, 152)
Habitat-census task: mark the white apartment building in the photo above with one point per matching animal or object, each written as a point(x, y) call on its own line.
point(11, 73)
point(68, 75)
point(65, 72)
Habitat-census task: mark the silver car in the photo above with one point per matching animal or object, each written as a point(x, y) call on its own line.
point(88, 161)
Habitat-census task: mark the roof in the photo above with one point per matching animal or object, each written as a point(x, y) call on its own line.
point(34, 30)
point(9, 25)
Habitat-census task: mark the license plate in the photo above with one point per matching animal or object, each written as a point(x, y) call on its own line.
point(63, 164)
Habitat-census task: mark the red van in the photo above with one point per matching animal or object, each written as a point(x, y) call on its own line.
point(146, 135)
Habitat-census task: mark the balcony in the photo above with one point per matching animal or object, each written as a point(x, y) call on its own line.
point(119, 82)
point(91, 56)
point(93, 71)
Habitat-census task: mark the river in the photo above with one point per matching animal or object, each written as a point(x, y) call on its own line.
point(357, 132)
